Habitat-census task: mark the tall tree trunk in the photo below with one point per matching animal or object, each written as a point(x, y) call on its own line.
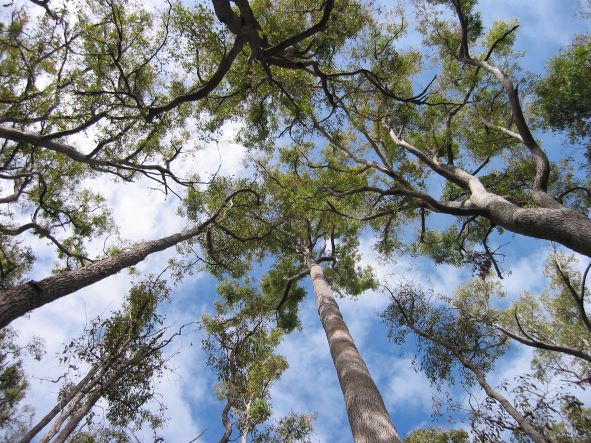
point(368, 417)
point(22, 299)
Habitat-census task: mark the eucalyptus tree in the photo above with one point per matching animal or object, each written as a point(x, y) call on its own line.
point(124, 355)
point(467, 129)
point(473, 329)
point(241, 341)
point(563, 93)
point(303, 231)
point(555, 323)
point(448, 340)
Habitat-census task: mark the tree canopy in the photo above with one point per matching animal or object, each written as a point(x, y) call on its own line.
point(362, 134)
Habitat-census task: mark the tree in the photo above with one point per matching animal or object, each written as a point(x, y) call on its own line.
point(116, 90)
point(102, 75)
point(241, 343)
point(448, 339)
point(437, 435)
point(124, 356)
point(304, 236)
point(468, 330)
point(104, 71)
point(555, 322)
point(289, 429)
point(468, 129)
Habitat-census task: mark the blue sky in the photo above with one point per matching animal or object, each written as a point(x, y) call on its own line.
point(310, 384)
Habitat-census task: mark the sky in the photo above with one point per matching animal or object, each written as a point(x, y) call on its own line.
point(310, 384)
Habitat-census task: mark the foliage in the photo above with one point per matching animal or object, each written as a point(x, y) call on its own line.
point(13, 382)
point(345, 134)
point(458, 341)
point(293, 428)
point(124, 355)
point(437, 435)
point(240, 342)
point(564, 92)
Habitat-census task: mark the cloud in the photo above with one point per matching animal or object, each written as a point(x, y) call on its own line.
point(407, 389)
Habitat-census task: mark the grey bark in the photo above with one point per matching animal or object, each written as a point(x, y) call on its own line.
point(76, 418)
point(564, 226)
point(551, 221)
point(368, 417)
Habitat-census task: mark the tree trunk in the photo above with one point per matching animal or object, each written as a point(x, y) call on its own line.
point(58, 407)
point(368, 418)
point(62, 417)
point(226, 422)
point(77, 417)
point(22, 299)
point(506, 404)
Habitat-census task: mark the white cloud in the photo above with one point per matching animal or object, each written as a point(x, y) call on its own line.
point(526, 274)
point(408, 389)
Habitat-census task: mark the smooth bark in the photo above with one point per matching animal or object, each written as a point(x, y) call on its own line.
point(368, 417)
point(564, 226)
point(76, 418)
point(551, 221)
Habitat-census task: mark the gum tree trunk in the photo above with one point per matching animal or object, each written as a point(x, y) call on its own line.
point(58, 407)
point(22, 299)
point(368, 417)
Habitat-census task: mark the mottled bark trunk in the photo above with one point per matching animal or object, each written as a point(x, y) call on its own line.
point(75, 402)
point(58, 407)
point(368, 417)
point(506, 404)
point(22, 299)
point(62, 418)
point(247, 429)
